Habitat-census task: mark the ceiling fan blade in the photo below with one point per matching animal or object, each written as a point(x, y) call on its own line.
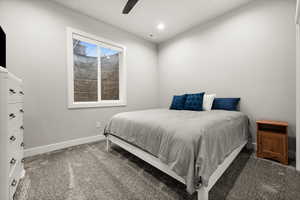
point(130, 4)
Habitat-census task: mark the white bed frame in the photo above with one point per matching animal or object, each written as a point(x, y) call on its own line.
point(152, 160)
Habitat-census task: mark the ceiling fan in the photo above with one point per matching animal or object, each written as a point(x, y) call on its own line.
point(129, 5)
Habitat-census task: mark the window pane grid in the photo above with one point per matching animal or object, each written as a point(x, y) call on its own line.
point(99, 72)
point(109, 74)
point(96, 71)
point(85, 71)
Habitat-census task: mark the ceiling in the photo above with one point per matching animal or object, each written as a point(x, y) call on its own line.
point(177, 15)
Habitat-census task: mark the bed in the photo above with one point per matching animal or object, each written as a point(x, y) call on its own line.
point(191, 146)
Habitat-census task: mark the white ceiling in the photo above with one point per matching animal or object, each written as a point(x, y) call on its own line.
point(177, 15)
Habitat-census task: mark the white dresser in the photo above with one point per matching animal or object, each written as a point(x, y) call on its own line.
point(11, 133)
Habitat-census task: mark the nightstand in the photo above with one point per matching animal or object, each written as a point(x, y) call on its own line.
point(272, 140)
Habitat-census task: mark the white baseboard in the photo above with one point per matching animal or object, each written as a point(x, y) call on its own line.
point(61, 145)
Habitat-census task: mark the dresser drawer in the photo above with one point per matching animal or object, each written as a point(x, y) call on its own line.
point(15, 151)
point(12, 166)
point(15, 90)
point(15, 117)
point(13, 161)
point(15, 136)
point(14, 157)
point(14, 181)
point(12, 188)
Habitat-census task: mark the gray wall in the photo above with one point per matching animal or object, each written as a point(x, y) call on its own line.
point(36, 51)
point(247, 53)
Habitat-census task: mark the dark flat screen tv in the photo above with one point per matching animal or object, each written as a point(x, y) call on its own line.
point(2, 48)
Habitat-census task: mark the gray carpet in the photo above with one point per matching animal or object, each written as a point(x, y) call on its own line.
point(87, 172)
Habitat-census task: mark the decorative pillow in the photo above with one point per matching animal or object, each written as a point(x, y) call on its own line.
point(178, 102)
point(226, 104)
point(194, 102)
point(208, 101)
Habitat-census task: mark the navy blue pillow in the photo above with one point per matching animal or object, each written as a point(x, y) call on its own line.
point(178, 102)
point(194, 102)
point(226, 104)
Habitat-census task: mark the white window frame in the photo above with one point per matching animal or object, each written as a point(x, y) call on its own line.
point(70, 70)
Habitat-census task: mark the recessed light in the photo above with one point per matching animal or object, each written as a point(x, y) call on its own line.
point(160, 26)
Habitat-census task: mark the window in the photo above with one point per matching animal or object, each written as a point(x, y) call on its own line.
point(96, 71)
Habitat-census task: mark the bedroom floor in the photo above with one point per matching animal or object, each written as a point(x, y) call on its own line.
point(88, 172)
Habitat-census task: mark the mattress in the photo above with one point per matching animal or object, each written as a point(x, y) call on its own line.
point(191, 143)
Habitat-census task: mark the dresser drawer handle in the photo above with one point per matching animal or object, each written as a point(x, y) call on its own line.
point(13, 161)
point(12, 115)
point(12, 138)
point(12, 91)
point(22, 127)
point(14, 183)
point(21, 93)
point(22, 144)
point(23, 160)
point(21, 111)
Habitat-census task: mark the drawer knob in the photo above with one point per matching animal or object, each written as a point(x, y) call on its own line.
point(22, 144)
point(13, 161)
point(23, 160)
point(12, 138)
point(12, 115)
point(12, 91)
point(22, 127)
point(21, 93)
point(21, 111)
point(14, 183)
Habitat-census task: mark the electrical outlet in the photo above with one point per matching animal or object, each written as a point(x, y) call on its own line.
point(98, 125)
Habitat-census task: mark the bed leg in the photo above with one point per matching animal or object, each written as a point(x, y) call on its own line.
point(202, 193)
point(107, 144)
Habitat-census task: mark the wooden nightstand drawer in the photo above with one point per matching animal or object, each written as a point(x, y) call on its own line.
point(272, 140)
point(272, 143)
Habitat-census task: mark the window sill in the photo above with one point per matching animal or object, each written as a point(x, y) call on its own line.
point(96, 105)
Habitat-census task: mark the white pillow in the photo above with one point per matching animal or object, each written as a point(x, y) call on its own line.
point(208, 100)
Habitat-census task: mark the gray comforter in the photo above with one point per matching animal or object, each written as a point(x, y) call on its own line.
point(191, 143)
